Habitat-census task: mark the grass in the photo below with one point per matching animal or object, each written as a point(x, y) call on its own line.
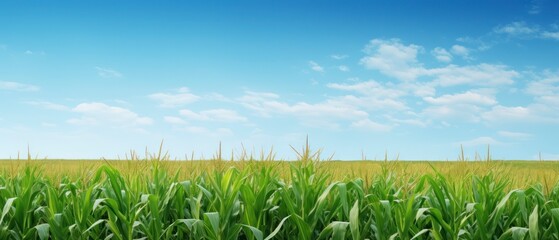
point(307, 199)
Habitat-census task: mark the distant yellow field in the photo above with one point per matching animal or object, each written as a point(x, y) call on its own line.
point(520, 173)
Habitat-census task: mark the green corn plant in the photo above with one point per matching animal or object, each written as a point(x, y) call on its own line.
point(121, 205)
point(262, 200)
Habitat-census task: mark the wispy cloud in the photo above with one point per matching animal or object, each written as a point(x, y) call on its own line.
point(96, 113)
point(524, 30)
point(535, 7)
point(367, 124)
point(461, 51)
point(48, 105)
point(480, 141)
point(343, 68)
point(516, 29)
point(315, 66)
point(398, 60)
point(457, 113)
point(515, 135)
point(15, 86)
point(108, 73)
point(371, 88)
point(393, 58)
point(517, 113)
point(481, 75)
point(174, 120)
point(550, 35)
point(29, 52)
point(468, 97)
point(546, 85)
point(441, 54)
point(464, 107)
point(169, 100)
point(267, 104)
point(338, 56)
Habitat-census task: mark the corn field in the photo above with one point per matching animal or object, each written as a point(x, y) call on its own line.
point(260, 202)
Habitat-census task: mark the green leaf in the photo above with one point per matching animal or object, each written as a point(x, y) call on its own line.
point(354, 221)
point(212, 218)
point(340, 229)
point(420, 233)
point(277, 229)
point(255, 231)
point(335, 229)
point(515, 233)
point(6, 209)
point(43, 230)
point(533, 224)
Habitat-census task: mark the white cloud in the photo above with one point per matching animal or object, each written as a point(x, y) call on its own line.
point(20, 87)
point(549, 85)
point(108, 73)
point(420, 89)
point(514, 135)
point(461, 51)
point(414, 122)
point(462, 112)
point(343, 68)
point(96, 113)
point(468, 97)
point(174, 99)
point(315, 67)
point(550, 35)
point(338, 56)
point(397, 60)
point(367, 124)
point(376, 96)
point(545, 93)
point(49, 105)
point(371, 88)
point(544, 108)
point(479, 42)
point(516, 29)
point(480, 141)
point(502, 113)
point(550, 101)
point(522, 29)
point(369, 103)
point(218, 115)
point(481, 75)
point(393, 58)
point(174, 120)
point(537, 112)
point(29, 52)
point(442, 55)
point(217, 97)
point(267, 104)
point(535, 8)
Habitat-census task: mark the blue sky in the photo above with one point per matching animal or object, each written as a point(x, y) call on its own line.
point(84, 79)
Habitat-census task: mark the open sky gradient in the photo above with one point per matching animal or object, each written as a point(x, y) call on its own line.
point(91, 79)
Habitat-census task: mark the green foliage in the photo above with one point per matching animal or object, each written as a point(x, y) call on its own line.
point(256, 203)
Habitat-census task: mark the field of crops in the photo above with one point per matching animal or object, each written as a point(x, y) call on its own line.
point(266, 199)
